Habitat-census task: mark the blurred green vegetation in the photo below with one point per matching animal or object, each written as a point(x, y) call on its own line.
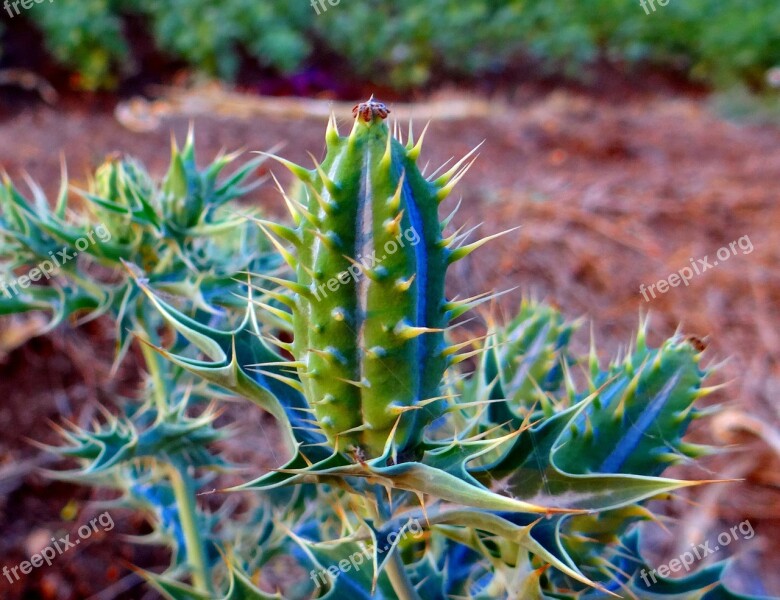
point(403, 42)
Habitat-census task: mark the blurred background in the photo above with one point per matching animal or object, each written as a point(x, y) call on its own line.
point(625, 137)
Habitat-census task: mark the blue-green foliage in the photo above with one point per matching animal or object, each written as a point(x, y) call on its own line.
point(531, 484)
point(178, 237)
point(527, 468)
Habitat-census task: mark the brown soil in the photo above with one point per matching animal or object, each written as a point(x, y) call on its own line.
point(609, 195)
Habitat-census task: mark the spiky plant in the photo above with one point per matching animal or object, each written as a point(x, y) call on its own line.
point(526, 484)
point(178, 233)
point(182, 237)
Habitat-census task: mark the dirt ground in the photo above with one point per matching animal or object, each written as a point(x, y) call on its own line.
point(609, 194)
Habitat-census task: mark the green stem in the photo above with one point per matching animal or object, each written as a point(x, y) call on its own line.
point(159, 383)
point(394, 565)
point(397, 575)
point(181, 482)
point(184, 491)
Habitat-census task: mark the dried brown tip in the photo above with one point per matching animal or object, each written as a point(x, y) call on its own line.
point(370, 110)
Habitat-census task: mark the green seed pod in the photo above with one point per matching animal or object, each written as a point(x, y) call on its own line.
point(369, 308)
point(375, 266)
point(637, 420)
point(523, 362)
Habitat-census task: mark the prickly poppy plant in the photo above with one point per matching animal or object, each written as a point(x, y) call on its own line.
point(417, 467)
